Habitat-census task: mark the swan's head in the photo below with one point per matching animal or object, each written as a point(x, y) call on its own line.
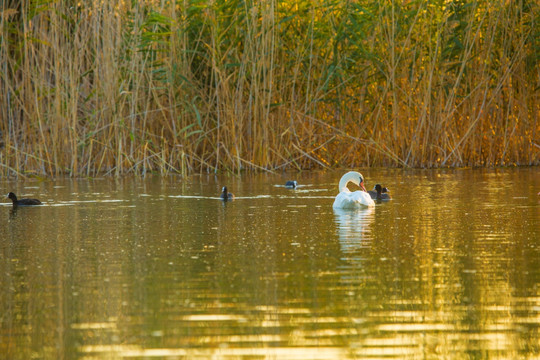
point(352, 176)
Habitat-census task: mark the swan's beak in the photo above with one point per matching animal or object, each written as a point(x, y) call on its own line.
point(362, 186)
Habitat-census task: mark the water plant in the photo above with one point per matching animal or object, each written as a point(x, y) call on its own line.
point(122, 87)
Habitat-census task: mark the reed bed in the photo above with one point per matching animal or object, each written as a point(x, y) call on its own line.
point(131, 87)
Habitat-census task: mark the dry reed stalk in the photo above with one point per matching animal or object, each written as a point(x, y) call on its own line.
point(115, 87)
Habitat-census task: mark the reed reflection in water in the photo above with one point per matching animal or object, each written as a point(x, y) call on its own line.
point(160, 268)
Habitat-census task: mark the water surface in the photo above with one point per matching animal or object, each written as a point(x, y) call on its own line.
point(161, 268)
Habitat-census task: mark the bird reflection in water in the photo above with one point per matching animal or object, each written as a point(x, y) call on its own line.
point(354, 227)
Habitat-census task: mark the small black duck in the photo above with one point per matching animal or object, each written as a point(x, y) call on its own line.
point(225, 195)
point(291, 184)
point(379, 193)
point(22, 202)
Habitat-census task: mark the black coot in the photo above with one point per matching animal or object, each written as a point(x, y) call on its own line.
point(379, 193)
point(22, 202)
point(225, 195)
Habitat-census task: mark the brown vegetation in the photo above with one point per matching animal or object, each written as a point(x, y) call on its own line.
point(123, 87)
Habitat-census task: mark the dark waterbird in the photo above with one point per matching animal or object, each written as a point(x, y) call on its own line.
point(379, 193)
point(22, 202)
point(225, 195)
point(291, 184)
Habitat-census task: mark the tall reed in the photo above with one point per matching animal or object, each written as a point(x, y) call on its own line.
point(120, 87)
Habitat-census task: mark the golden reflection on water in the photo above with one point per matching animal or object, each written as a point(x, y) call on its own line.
point(159, 268)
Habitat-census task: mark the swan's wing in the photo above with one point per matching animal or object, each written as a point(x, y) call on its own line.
point(352, 200)
point(362, 198)
point(342, 201)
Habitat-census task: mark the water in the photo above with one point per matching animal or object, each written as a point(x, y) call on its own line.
point(160, 268)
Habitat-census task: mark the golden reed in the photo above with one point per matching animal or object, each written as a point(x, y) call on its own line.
point(120, 87)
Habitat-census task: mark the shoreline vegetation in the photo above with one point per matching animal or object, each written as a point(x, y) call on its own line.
point(130, 87)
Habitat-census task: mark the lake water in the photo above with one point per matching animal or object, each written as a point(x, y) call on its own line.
point(160, 268)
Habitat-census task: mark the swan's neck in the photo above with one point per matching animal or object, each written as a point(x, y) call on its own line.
point(343, 185)
point(345, 180)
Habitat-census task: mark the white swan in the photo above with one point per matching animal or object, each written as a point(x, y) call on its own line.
point(352, 200)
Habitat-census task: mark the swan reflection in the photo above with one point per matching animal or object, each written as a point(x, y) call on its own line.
point(353, 227)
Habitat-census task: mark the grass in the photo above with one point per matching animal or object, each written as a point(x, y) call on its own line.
point(121, 87)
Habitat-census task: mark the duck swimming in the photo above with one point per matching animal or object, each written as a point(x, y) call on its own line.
point(379, 193)
point(22, 202)
point(225, 195)
point(352, 200)
point(291, 184)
